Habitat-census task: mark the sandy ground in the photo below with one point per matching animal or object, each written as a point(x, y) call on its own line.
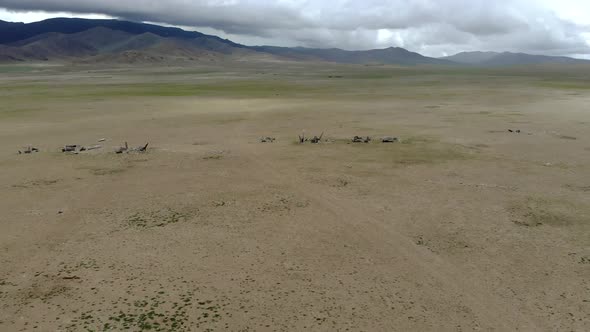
point(462, 226)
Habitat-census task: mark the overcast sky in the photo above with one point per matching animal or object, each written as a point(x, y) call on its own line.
point(431, 27)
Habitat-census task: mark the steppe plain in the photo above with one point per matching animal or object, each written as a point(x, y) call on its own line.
point(460, 226)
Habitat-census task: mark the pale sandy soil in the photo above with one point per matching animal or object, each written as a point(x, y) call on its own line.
point(463, 226)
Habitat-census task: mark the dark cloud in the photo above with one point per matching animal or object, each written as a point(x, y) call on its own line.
point(434, 27)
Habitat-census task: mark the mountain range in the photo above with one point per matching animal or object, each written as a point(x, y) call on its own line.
point(84, 40)
point(489, 59)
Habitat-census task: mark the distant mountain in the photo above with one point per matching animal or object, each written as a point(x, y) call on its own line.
point(72, 39)
point(13, 32)
point(83, 40)
point(489, 59)
point(392, 55)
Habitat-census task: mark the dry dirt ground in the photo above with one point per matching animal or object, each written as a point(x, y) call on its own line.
point(461, 226)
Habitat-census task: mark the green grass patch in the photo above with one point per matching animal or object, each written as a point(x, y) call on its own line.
point(574, 84)
point(309, 81)
point(18, 111)
point(5, 69)
point(159, 312)
point(248, 88)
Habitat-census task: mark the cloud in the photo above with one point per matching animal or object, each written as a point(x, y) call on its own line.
point(434, 27)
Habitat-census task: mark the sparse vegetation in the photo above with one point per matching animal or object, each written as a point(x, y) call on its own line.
point(212, 230)
point(156, 313)
point(534, 212)
point(159, 218)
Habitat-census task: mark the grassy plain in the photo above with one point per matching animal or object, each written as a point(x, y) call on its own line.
point(460, 226)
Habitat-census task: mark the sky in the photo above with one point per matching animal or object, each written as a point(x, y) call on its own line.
point(431, 27)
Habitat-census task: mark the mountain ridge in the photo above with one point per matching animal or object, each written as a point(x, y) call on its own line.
point(76, 39)
point(492, 59)
point(17, 40)
point(401, 55)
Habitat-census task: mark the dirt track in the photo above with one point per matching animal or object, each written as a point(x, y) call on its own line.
point(461, 226)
